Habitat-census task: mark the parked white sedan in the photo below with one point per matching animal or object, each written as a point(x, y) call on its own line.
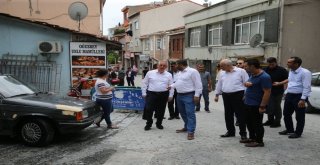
point(314, 99)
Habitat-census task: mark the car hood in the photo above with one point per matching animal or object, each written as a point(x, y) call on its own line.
point(51, 101)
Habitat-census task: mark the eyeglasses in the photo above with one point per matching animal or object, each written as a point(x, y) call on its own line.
point(239, 63)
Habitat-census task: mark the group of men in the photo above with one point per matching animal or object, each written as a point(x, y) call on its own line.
point(159, 87)
point(248, 91)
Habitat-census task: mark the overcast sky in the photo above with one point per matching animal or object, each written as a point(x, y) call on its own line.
point(112, 10)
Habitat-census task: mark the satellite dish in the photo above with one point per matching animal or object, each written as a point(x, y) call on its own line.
point(255, 40)
point(78, 11)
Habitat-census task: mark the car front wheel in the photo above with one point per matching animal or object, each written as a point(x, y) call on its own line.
point(36, 132)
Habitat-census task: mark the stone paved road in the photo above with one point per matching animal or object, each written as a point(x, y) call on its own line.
point(132, 145)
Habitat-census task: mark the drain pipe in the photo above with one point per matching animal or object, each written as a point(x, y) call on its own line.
point(281, 6)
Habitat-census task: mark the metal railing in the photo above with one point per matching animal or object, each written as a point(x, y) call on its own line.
point(44, 75)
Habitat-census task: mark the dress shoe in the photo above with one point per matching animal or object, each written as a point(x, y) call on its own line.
point(208, 111)
point(294, 136)
point(113, 127)
point(228, 135)
point(170, 118)
point(255, 144)
point(159, 126)
point(147, 128)
point(246, 141)
point(267, 123)
point(243, 137)
point(285, 132)
point(190, 136)
point(98, 124)
point(197, 110)
point(181, 130)
point(177, 117)
point(275, 125)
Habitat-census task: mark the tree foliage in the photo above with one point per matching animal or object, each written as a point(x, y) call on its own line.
point(112, 57)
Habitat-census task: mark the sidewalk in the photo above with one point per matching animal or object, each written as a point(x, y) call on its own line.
point(135, 146)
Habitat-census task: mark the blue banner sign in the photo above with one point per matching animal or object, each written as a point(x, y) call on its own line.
point(128, 98)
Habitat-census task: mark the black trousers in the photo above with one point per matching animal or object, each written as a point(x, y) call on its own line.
point(155, 101)
point(121, 83)
point(130, 81)
point(173, 106)
point(233, 103)
point(254, 123)
point(290, 106)
point(274, 108)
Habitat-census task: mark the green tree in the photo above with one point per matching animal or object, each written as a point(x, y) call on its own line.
point(112, 57)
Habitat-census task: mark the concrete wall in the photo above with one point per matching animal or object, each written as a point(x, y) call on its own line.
point(301, 35)
point(167, 17)
point(229, 11)
point(234, 9)
point(136, 33)
point(19, 38)
point(56, 12)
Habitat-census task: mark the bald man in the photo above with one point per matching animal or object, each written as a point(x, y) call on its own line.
point(155, 87)
point(231, 87)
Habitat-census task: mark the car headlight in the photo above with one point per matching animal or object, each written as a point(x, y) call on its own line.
point(85, 114)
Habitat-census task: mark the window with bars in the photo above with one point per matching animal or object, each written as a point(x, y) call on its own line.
point(215, 34)
point(246, 27)
point(195, 37)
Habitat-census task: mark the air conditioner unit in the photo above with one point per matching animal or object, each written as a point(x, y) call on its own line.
point(49, 47)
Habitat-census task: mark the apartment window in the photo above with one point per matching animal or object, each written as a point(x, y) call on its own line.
point(195, 37)
point(146, 44)
point(136, 25)
point(151, 44)
point(163, 43)
point(136, 42)
point(246, 27)
point(215, 34)
point(159, 46)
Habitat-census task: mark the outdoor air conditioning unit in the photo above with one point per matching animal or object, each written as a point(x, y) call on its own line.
point(49, 47)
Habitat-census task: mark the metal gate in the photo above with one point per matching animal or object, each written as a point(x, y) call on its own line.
point(44, 75)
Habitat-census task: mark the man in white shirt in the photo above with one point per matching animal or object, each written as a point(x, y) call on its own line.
point(231, 87)
point(297, 93)
point(189, 88)
point(155, 87)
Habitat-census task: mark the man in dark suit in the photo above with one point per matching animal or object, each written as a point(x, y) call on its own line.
point(130, 77)
point(173, 110)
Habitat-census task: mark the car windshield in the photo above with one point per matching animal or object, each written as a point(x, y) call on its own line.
point(11, 87)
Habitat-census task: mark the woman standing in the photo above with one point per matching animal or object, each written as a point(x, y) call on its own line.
point(104, 96)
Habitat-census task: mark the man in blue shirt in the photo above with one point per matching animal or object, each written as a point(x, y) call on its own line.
point(298, 91)
point(256, 99)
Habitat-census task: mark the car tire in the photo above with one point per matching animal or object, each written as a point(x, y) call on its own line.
point(36, 132)
point(310, 108)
